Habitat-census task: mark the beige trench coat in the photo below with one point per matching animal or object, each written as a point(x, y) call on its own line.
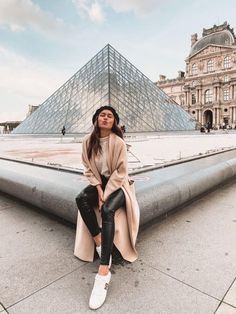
point(126, 219)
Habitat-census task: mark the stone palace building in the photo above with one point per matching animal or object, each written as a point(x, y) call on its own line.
point(207, 90)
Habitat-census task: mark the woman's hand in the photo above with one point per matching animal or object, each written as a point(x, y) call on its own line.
point(100, 197)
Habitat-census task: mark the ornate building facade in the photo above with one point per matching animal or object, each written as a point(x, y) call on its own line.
point(207, 90)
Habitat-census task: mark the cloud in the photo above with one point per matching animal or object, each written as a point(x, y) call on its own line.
point(96, 13)
point(139, 7)
point(23, 82)
point(92, 9)
point(19, 15)
point(95, 9)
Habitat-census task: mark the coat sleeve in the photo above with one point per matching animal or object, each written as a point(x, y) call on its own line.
point(120, 174)
point(87, 168)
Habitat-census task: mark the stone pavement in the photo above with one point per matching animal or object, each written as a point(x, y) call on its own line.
point(146, 149)
point(187, 263)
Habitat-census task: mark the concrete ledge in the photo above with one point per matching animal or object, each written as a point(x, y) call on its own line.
point(168, 195)
point(158, 191)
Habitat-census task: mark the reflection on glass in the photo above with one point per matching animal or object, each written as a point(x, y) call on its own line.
point(108, 78)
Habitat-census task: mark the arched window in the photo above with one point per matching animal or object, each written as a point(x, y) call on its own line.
point(210, 66)
point(193, 99)
point(194, 69)
point(227, 64)
point(208, 96)
point(226, 94)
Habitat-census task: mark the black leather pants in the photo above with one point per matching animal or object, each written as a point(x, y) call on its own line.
point(86, 201)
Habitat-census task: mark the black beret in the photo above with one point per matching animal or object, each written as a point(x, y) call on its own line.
point(99, 110)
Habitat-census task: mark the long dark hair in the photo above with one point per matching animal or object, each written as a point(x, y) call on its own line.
point(94, 141)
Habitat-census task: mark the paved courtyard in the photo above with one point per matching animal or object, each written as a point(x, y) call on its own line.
point(145, 149)
point(187, 263)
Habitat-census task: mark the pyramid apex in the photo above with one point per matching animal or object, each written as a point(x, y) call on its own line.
point(108, 45)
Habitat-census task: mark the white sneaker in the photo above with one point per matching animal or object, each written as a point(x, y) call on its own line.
point(99, 251)
point(99, 292)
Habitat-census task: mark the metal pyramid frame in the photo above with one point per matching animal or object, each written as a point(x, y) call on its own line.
point(107, 79)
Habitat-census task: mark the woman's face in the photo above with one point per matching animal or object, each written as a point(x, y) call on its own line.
point(106, 120)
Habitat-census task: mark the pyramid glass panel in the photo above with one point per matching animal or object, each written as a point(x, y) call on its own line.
point(107, 79)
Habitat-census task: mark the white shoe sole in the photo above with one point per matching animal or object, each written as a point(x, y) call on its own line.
point(99, 292)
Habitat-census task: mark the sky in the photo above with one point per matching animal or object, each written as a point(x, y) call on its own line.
point(44, 42)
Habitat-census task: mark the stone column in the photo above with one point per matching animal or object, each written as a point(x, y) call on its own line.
point(218, 110)
point(189, 98)
point(200, 116)
point(219, 93)
point(200, 96)
point(234, 114)
point(214, 116)
point(215, 93)
point(217, 120)
point(186, 98)
point(231, 92)
point(230, 115)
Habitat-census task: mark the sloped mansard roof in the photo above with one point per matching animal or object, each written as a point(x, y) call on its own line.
point(221, 35)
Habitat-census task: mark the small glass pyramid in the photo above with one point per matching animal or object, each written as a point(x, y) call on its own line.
point(107, 79)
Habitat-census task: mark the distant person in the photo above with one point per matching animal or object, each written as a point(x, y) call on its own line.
point(108, 203)
point(63, 130)
point(123, 129)
point(202, 129)
point(208, 126)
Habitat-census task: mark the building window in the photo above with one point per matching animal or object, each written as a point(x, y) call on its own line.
point(226, 78)
point(208, 96)
point(227, 64)
point(193, 112)
point(193, 99)
point(210, 66)
point(226, 94)
point(194, 69)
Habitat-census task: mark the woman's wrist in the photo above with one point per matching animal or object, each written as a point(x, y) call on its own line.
point(99, 187)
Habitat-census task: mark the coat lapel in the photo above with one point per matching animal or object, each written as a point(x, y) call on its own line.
point(91, 163)
point(110, 152)
point(94, 168)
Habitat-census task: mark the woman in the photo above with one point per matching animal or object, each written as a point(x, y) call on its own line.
point(109, 201)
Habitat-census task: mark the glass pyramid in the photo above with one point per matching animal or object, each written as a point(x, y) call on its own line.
point(108, 78)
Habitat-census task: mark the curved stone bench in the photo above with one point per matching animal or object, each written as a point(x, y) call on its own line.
point(158, 191)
